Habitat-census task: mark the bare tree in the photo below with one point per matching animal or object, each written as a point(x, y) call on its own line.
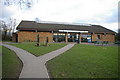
point(37, 19)
point(22, 3)
point(4, 28)
point(11, 25)
point(7, 28)
point(14, 25)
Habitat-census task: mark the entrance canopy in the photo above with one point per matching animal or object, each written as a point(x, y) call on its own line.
point(73, 31)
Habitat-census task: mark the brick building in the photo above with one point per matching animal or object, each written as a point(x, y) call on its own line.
point(58, 32)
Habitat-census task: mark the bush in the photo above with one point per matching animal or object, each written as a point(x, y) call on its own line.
point(6, 38)
point(117, 42)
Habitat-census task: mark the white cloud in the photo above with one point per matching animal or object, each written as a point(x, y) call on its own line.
point(6, 12)
point(111, 26)
point(70, 10)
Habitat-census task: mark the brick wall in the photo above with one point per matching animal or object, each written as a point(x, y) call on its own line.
point(107, 37)
point(110, 38)
point(24, 36)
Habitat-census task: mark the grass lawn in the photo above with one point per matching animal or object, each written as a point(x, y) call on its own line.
point(37, 51)
point(85, 61)
point(11, 64)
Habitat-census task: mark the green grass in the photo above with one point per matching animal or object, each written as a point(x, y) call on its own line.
point(85, 61)
point(38, 51)
point(11, 64)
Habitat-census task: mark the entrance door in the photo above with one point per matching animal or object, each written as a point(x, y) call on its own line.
point(72, 37)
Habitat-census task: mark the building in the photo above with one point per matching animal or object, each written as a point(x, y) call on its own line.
point(58, 32)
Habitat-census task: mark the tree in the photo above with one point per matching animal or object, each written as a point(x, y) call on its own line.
point(11, 25)
point(118, 35)
point(14, 25)
point(37, 19)
point(7, 28)
point(4, 29)
point(22, 3)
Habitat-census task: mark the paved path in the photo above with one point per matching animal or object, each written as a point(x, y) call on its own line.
point(53, 54)
point(34, 67)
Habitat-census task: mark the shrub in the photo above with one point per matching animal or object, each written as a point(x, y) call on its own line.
point(117, 42)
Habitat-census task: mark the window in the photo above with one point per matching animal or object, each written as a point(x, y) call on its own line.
point(59, 37)
point(86, 38)
point(98, 36)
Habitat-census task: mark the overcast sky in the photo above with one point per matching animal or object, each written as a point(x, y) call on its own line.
point(100, 12)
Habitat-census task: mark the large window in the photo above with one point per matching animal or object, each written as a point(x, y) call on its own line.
point(59, 37)
point(86, 38)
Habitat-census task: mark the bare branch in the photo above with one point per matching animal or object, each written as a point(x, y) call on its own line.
point(22, 3)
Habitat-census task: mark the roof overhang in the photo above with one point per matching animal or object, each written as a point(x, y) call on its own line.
point(73, 31)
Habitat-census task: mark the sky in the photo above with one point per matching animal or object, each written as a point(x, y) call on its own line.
point(98, 12)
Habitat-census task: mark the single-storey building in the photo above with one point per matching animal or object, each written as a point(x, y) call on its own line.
point(59, 32)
